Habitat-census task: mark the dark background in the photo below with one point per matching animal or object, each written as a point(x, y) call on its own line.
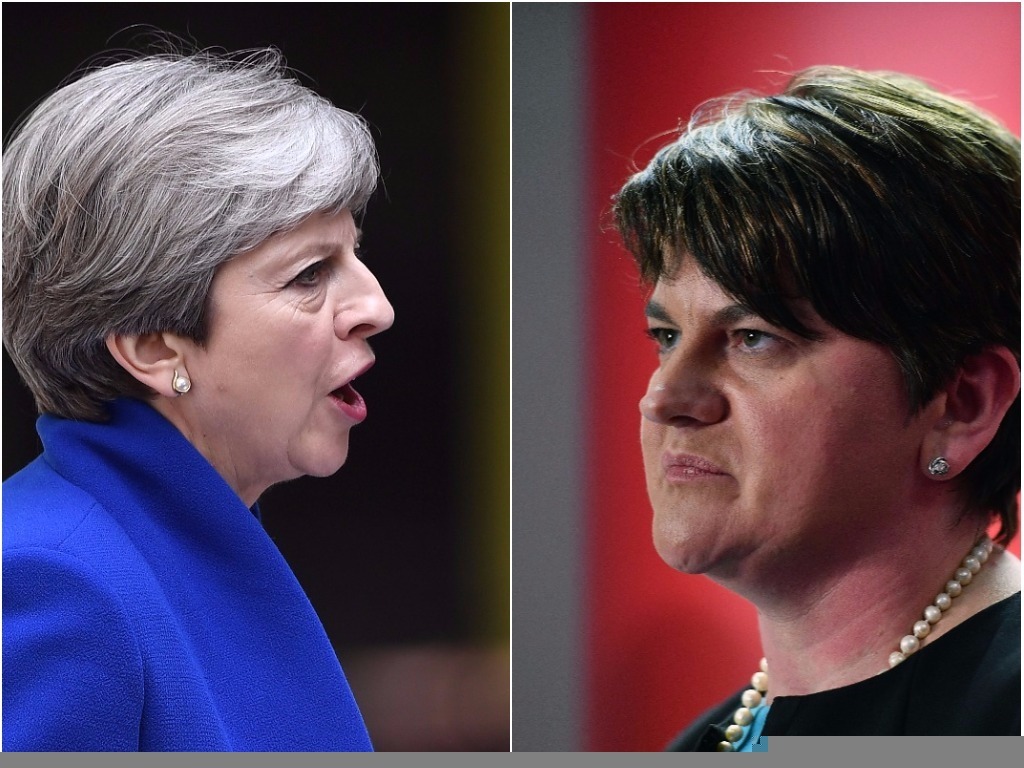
point(385, 548)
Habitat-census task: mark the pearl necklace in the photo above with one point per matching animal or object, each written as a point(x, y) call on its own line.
point(754, 697)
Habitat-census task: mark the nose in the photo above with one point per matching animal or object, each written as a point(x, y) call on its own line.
point(364, 310)
point(683, 392)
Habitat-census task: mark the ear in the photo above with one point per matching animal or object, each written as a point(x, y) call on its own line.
point(151, 358)
point(971, 408)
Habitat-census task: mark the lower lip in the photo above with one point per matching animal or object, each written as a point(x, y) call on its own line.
point(351, 404)
point(678, 473)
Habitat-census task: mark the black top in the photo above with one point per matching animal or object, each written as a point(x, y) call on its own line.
point(966, 683)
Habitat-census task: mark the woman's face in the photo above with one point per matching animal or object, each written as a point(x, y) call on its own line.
point(271, 395)
point(759, 444)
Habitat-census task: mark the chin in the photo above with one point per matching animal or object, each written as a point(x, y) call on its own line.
point(326, 462)
point(681, 553)
point(707, 553)
point(326, 470)
point(695, 545)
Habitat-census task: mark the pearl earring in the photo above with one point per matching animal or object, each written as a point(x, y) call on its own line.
point(180, 384)
point(938, 466)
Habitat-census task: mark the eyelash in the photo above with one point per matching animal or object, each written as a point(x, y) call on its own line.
point(666, 338)
point(743, 333)
point(660, 336)
point(310, 276)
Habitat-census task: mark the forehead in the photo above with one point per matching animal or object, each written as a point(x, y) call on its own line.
point(687, 285)
point(689, 293)
point(321, 235)
point(319, 231)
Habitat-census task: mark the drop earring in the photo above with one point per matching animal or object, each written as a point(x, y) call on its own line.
point(938, 466)
point(180, 384)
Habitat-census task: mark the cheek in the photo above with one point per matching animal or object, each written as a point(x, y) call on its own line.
point(651, 442)
point(835, 445)
point(828, 409)
point(267, 366)
point(289, 347)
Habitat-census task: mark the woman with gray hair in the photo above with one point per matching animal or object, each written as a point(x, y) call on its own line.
point(183, 296)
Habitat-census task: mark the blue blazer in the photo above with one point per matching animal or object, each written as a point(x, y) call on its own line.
point(145, 607)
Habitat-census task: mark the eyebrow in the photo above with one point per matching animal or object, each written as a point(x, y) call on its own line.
point(656, 311)
point(320, 248)
point(727, 315)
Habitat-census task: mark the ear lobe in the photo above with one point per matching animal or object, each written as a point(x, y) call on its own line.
point(976, 401)
point(150, 358)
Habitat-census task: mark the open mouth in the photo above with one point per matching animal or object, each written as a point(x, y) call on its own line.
point(350, 402)
point(347, 398)
point(346, 394)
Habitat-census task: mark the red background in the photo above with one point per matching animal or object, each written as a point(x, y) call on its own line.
point(662, 647)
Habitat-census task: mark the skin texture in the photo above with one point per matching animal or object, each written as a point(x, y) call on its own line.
point(290, 324)
point(794, 426)
point(792, 472)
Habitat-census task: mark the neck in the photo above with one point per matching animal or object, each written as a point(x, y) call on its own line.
point(213, 449)
point(825, 630)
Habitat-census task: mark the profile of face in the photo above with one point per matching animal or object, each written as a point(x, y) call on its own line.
point(272, 394)
point(761, 446)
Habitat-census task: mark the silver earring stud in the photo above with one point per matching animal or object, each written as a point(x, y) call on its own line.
point(181, 384)
point(938, 466)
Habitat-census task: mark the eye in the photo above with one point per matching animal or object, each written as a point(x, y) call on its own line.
point(311, 276)
point(665, 338)
point(752, 340)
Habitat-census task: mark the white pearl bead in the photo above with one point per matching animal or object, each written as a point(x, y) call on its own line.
point(750, 698)
point(909, 644)
point(943, 601)
point(723, 746)
point(764, 665)
point(733, 732)
point(743, 716)
point(759, 681)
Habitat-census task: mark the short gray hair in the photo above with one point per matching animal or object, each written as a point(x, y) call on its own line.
point(125, 190)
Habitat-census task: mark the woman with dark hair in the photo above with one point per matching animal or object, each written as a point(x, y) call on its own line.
point(182, 294)
point(833, 425)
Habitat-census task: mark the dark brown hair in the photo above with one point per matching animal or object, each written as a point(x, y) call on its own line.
point(892, 208)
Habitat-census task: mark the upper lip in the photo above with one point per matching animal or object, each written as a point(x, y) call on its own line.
point(669, 460)
point(367, 366)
